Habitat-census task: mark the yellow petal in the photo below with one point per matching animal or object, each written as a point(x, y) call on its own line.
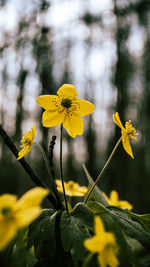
point(108, 257)
point(52, 118)
point(25, 216)
point(7, 200)
point(73, 124)
point(125, 205)
point(85, 107)
point(114, 197)
point(8, 229)
point(67, 90)
point(24, 152)
point(32, 198)
point(117, 120)
point(47, 101)
point(33, 130)
point(126, 143)
point(92, 244)
point(99, 227)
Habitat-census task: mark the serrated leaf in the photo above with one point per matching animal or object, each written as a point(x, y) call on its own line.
point(84, 214)
point(96, 194)
point(73, 233)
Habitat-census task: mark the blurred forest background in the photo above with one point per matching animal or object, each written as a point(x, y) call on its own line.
point(103, 48)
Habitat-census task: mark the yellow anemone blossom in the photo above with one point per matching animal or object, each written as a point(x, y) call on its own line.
point(71, 188)
point(65, 108)
point(104, 244)
point(113, 200)
point(128, 132)
point(27, 142)
point(16, 214)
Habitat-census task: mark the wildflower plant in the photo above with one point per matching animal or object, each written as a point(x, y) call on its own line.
point(97, 231)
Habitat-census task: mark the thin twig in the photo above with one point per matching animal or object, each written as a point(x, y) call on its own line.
point(34, 177)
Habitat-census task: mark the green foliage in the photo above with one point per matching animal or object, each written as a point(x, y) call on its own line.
point(73, 233)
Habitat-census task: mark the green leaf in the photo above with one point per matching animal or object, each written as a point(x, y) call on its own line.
point(143, 219)
point(96, 194)
point(131, 227)
point(84, 214)
point(73, 234)
point(42, 235)
point(45, 242)
point(124, 251)
point(32, 233)
point(97, 207)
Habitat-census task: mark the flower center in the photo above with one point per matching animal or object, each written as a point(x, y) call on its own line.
point(130, 129)
point(71, 185)
point(66, 102)
point(5, 210)
point(27, 140)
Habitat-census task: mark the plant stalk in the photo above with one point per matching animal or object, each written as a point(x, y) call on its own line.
point(102, 171)
point(61, 169)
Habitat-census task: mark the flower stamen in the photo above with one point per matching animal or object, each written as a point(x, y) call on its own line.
point(66, 102)
point(5, 211)
point(130, 129)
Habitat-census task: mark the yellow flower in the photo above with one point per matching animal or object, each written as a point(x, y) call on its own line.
point(16, 214)
point(65, 108)
point(104, 244)
point(27, 142)
point(71, 188)
point(114, 201)
point(128, 132)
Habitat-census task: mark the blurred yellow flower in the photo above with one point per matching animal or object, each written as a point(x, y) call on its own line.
point(27, 142)
point(128, 132)
point(104, 244)
point(65, 108)
point(113, 200)
point(71, 188)
point(16, 214)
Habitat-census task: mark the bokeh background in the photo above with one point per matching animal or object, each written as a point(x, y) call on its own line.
point(103, 48)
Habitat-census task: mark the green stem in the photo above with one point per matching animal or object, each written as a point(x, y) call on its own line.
point(104, 168)
point(61, 170)
point(44, 157)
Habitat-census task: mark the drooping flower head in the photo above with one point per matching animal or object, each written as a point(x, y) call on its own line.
point(128, 132)
point(16, 214)
point(65, 108)
point(104, 244)
point(27, 142)
point(71, 188)
point(113, 200)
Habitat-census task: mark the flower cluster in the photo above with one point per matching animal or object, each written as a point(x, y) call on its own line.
point(65, 108)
